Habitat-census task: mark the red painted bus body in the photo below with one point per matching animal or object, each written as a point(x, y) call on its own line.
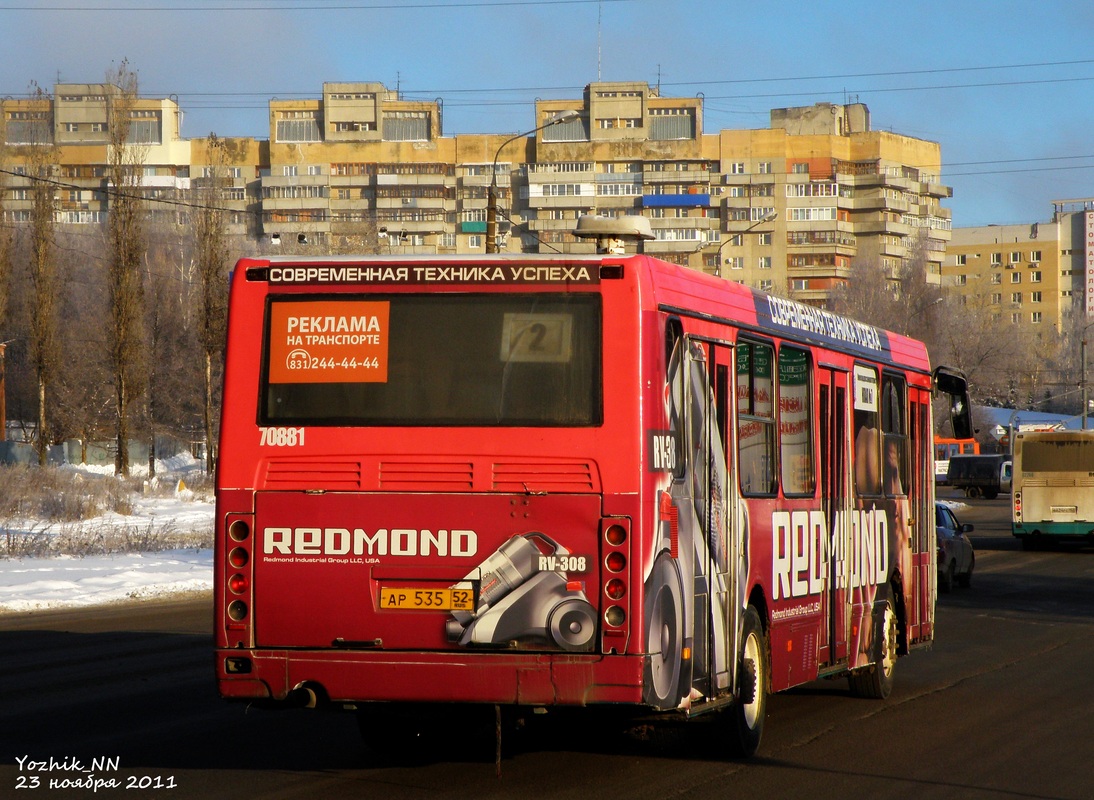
point(573, 480)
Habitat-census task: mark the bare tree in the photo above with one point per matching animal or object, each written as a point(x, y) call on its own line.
point(900, 298)
point(84, 396)
point(6, 236)
point(41, 156)
point(124, 269)
point(212, 263)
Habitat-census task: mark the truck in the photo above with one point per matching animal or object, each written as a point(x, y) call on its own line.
point(980, 475)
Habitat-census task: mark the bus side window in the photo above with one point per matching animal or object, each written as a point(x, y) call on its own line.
point(796, 422)
point(894, 430)
point(867, 432)
point(756, 418)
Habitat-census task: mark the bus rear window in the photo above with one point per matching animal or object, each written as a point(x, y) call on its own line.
point(438, 359)
point(1062, 455)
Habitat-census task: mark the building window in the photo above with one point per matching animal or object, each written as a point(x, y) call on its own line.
point(1035, 276)
point(996, 258)
point(1016, 298)
point(619, 189)
point(764, 167)
point(1035, 317)
point(406, 126)
point(1035, 256)
point(670, 123)
point(812, 214)
point(1015, 257)
point(474, 241)
point(764, 262)
point(561, 189)
point(737, 168)
point(996, 278)
point(571, 130)
point(962, 260)
point(962, 280)
point(1016, 277)
point(298, 126)
point(144, 128)
point(1035, 297)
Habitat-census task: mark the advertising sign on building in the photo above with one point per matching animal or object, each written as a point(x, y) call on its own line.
point(1088, 255)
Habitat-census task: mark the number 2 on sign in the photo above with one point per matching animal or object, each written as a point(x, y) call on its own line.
point(281, 437)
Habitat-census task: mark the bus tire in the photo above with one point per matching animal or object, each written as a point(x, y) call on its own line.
point(750, 710)
point(876, 681)
point(664, 634)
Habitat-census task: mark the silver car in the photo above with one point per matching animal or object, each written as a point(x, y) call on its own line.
point(955, 556)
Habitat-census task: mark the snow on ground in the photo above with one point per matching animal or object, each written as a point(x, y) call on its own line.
point(30, 584)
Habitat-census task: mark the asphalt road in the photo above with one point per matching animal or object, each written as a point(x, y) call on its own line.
point(1001, 707)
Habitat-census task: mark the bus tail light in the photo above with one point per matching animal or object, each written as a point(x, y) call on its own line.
point(237, 610)
point(1017, 506)
point(615, 544)
point(236, 578)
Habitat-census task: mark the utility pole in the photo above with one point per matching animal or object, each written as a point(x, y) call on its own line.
point(492, 192)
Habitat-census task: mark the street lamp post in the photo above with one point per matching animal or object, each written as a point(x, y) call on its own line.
point(492, 192)
point(718, 254)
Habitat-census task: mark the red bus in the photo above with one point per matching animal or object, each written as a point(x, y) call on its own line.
point(528, 482)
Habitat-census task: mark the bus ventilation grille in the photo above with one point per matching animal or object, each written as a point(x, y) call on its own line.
point(409, 476)
point(330, 475)
point(544, 477)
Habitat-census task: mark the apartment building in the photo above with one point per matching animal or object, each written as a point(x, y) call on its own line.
point(1038, 275)
point(785, 208)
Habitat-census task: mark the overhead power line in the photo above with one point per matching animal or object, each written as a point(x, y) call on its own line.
point(311, 5)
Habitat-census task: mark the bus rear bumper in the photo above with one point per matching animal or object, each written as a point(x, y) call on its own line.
point(442, 677)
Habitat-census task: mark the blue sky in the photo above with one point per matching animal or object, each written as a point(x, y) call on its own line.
point(1006, 88)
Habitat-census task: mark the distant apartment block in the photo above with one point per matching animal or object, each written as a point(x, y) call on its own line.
point(1038, 275)
point(785, 208)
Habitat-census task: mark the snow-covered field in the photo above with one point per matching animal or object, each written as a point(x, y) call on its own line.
point(29, 584)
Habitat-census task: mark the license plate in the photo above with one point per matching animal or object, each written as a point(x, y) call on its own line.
point(427, 599)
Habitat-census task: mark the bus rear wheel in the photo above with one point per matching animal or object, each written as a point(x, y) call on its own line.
point(750, 710)
point(876, 681)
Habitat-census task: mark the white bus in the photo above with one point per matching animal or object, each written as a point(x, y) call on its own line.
point(1053, 487)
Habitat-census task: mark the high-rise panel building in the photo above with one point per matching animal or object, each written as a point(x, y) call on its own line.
point(786, 208)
